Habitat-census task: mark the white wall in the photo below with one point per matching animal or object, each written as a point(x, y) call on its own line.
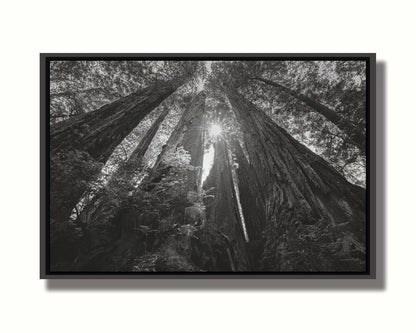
point(30, 27)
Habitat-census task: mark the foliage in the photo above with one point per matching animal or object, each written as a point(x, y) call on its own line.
point(82, 86)
point(72, 164)
point(66, 236)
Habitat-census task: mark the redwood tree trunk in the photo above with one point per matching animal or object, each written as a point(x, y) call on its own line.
point(100, 132)
point(141, 148)
point(80, 145)
point(189, 134)
point(125, 174)
point(223, 214)
point(176, 248)
point(315, 219)
point(355, 134)
point(252, 201)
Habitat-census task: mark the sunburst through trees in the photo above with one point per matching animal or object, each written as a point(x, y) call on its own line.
point(207, 166)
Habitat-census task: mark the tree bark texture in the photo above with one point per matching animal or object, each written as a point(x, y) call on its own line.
point(315, 219)
point(142, 147)
point(223, 215)
point(188, 133)
point(252, 202)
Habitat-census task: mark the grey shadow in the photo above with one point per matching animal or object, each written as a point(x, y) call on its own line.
point(243, 284)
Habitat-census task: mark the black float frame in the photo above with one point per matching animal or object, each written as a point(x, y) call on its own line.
point(370, 59)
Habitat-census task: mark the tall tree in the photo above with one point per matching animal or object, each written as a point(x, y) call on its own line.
point(188, 134)
point(315, 219)
point(136, 157)
point(100, 131)
point(170, 187)
point(81, 143)
point(122, 181)
point(178, 184)
point(355, 134)
point(223, 212)
point(252, 202)
point(339, 85)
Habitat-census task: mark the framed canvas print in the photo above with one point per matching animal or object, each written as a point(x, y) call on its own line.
point(207, 165)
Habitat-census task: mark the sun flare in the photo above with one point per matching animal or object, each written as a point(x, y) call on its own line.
point(215, 130)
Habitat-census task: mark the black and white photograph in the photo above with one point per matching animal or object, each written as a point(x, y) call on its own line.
point(199, 165)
